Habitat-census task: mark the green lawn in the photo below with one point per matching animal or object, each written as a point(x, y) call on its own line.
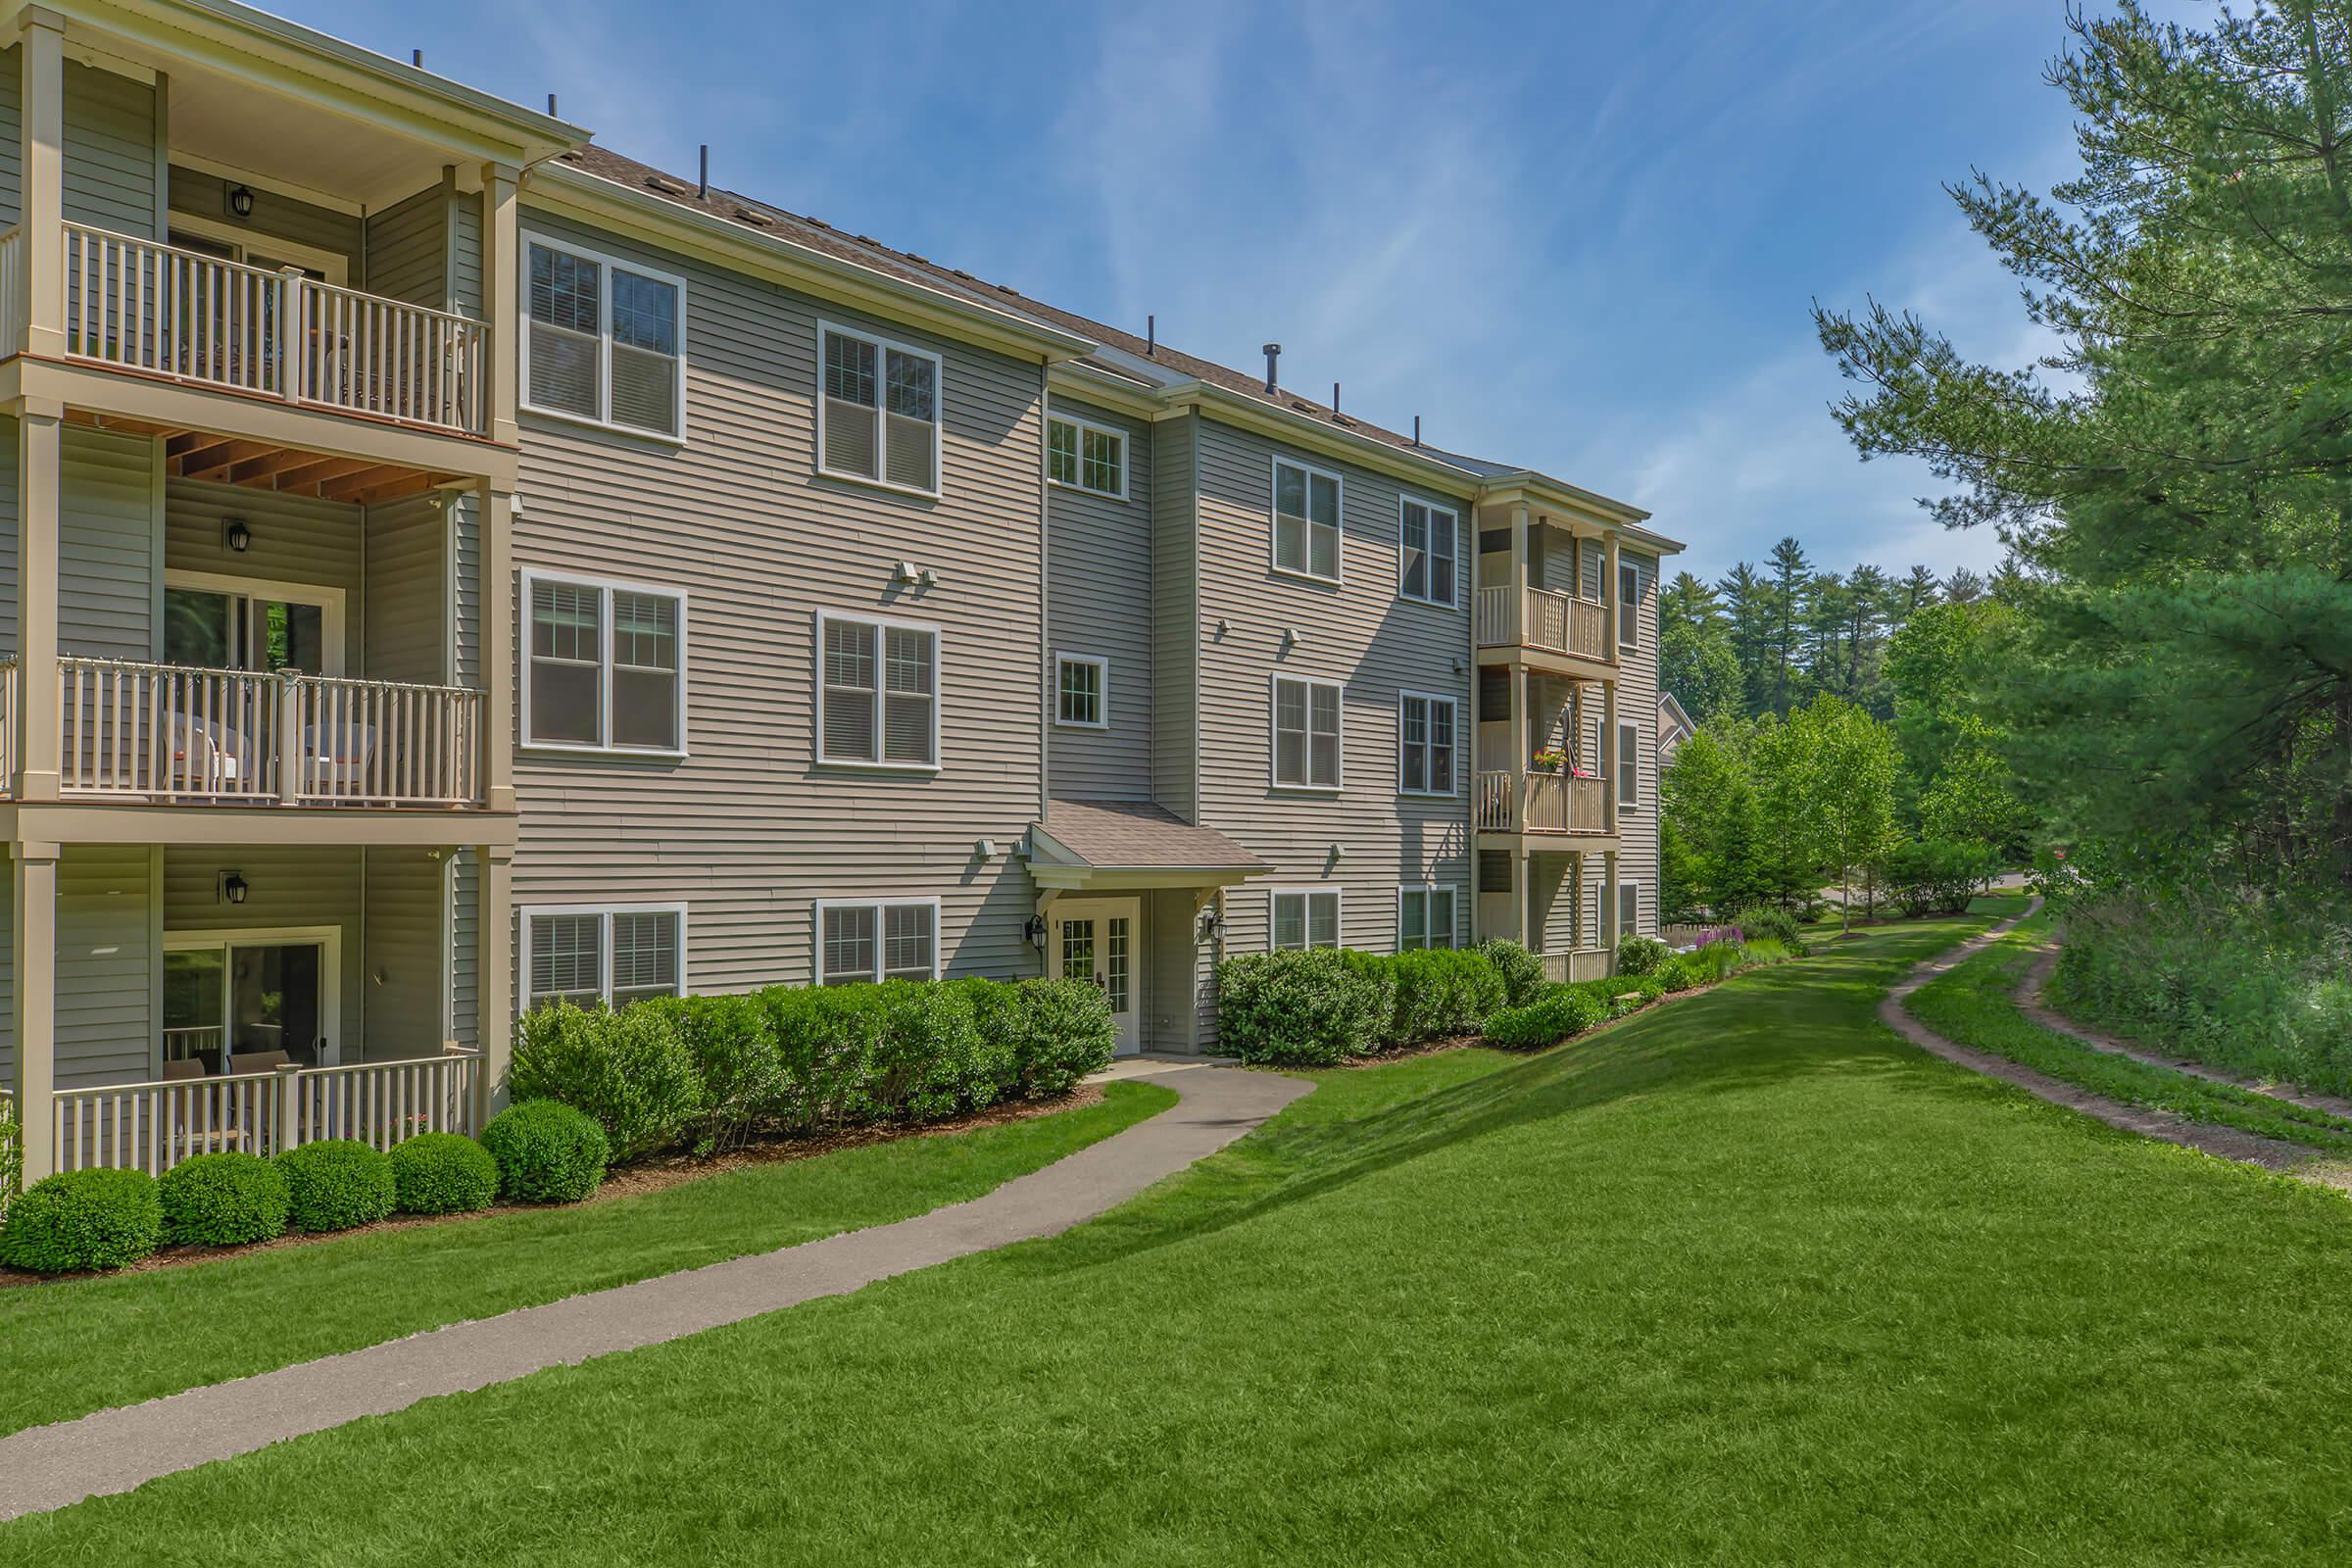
point(1974, 1004)
point(1745, 1280)
point(74, 1346)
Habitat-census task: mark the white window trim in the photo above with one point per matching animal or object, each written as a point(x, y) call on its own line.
point(1100, 428)
point(939, 694)
point(329, 603)
point(1274, 735)
point(604, 339)
point(525, 913)
point(1629, 607)
point(1101, 690)
point(1454, 936)
point(1629, 779)
point(1339, 554)
point(1339, 914)
point(606, 587)
point(816, 931)
point(1433, 508)
point(1629, 889)
point(1451, 702)
point(939, 411)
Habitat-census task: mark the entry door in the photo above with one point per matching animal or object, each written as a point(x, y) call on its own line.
point(242, 996)
point(1100, 940)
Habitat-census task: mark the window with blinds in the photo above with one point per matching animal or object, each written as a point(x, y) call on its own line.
point(1425, 743)
point(879, 415)
point(1306, 520)
point(877, 938)
point(1427, 565)
point(879, 693)
point(605, 341)
point(603, 956)
point(606, 666)
point(1304, 919)
point(1306, 733)
point(1424, 917)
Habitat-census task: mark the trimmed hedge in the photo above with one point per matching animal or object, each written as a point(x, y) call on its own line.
point(223, 1199)
point(1521, 970)
point(1444, 992)
point(628, 1069)
point(1641, 954)
point(82, 1219)
point(442, 1173)
point(1304, 1007)
point(546, 1153)
point(335, 1185)
point(735, 1057)
point(1560, 1011)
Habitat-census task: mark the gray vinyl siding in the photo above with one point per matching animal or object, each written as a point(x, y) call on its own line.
point(275, 215)
point(408, 249)
point(465, 254)
point(1179, 990)
point(1360, 633)
point(106, 545)
point(465, 588)
point(105, 965)
point(308, 885)
point(405, 586)
point(11, 493)
point(405, 1005)
point(8, 979)
point(1098, 603)
point(465, 955)
point(747, 828)
point(296, 539)
point(11, 135)
point(1177, 626)
point(110, 151)
point(1637, 702)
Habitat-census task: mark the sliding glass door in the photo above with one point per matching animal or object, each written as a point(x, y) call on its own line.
point(237, 996)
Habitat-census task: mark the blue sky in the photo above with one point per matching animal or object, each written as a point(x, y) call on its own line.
point(1578, 236)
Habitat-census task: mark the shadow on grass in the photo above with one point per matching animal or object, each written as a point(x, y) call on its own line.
point(1803, 1019)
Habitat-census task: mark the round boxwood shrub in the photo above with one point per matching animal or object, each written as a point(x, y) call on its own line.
point(547, 1153)
point(336, 1184)
point(82, 1219)
point(223, 1199)
point(442, 1173)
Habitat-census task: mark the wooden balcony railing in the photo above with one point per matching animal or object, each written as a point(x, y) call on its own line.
point(169, 732)
point(153, 1126)
point(1557, 622)
point(1541, 802)
point(137, 304)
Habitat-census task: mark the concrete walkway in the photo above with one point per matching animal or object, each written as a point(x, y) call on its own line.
point(113, 1451)
point(2226, 1142)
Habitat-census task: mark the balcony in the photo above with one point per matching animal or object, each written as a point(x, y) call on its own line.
point(168, 733)
point(156, 310)
point(1542, 803)
point(1553, 622)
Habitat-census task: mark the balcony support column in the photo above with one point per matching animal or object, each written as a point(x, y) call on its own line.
point(1520, 537)
point(40, 436)
point(501, 296)
point(1613, 599)
point(494, 1024)
point(41, 158)
point(32, 1004)
point(497, 508)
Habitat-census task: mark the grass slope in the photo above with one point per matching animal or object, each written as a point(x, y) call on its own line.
point(74, 1346)
point(1975, 1003)
point(1746, 1280)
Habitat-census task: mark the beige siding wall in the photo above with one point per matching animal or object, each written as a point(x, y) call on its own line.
point(464, 968)
point(405, 592)
point(1176, 617)
point(111, 172)
point(1360, 633)
point(747, 828)
point(108, 968)
point(12, 134)
point(1099, 604)
point(108, 545)
point(10, 493)
point(404, 1003)
point(408, 249)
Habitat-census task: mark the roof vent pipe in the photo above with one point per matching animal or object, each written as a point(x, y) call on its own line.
point(1416, 429)
point(1151, 337)
point(702, 185)
point(551, 107)
point(416, 58)
point(1273, 352)
point(1335, 400)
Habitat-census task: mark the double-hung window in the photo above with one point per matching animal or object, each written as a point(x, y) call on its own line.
point(1424, 917)
point(1082, 691)
point(1629, 907)
point(1306, 733)
point(1428, 569)
point(1629, 605)
point(877, 693)
point(1425, 743)
point(1306, 520)
point(606, 341)
point(609, 955)
point(876, 939)
point(1629, 763)
point(878, 410)
point(1085, 457)
point(1308, 918)
point(607, 666)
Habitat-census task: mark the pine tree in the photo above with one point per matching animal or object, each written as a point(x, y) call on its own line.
point(1747, 609)
point(1786, 608)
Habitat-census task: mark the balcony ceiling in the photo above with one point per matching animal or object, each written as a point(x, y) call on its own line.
point(283, 142)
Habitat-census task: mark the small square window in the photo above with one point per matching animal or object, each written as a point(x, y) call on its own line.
point(1085, 457)
point(1082, 691)
point(1306, 918)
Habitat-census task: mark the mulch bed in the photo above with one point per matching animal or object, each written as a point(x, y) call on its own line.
point(652, 1174)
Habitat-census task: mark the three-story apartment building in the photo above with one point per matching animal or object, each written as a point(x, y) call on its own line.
point(449, 566)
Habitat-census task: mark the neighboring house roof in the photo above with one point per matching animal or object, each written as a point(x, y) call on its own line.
point(1674, 725)
point(1118, 353)
point(1093, 842)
